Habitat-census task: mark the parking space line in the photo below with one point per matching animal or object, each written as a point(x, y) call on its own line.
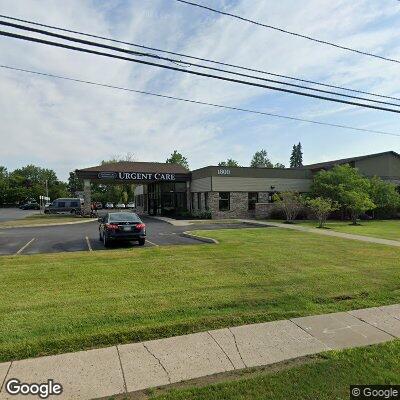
point(24, 247)
point(154, 244)
point(88, 244)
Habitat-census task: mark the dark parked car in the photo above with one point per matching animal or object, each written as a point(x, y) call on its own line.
point(71, 205)
point(31, 205)
point(121, 226)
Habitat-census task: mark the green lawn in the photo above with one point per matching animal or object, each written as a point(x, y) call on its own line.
point(70, 301)
point(387, 229)
point(327, 378)
point(40, 219)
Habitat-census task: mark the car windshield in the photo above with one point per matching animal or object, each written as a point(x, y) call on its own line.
point(123, 217)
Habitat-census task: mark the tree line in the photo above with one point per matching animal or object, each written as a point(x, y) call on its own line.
point(345, 191)
point(32, 181)
point(29, 182)
point(260, 159)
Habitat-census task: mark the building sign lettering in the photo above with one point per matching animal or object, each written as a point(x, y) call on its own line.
point(141, 176)
point(224, 172)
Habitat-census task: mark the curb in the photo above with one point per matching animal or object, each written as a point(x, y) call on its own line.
point(52, 224)
point(199, 238)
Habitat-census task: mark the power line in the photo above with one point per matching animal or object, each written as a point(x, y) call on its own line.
point(245, 110)
point(136, 53)
point(198, 58)
point(224, 78)
point(287, 32)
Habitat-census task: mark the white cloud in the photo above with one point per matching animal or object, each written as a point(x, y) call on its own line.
point(64, 125)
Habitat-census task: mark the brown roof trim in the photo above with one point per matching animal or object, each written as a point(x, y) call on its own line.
point(130, 166)
point(347, 160)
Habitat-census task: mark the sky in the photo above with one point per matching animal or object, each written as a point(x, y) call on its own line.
point(65, 125)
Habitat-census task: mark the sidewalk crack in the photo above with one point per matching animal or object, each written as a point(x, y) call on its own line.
point(5, 377)
point(311, 335)
point(159, 362)
point(213, 338)
point(374, 326)
point(122, 370)
point(237, 347)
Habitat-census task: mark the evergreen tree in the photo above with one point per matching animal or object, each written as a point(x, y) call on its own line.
point(296, 158)
point(299, 155)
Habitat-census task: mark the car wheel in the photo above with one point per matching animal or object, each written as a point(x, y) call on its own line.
point(142, 242)
point(73, 212)
point(106, 242)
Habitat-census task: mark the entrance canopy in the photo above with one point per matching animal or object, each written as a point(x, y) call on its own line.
point(135, 172)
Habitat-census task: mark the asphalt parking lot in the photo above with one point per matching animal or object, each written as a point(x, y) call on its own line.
point(11, 214)
point(85, 237)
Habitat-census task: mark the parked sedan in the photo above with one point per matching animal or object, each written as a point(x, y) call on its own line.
point(109, 205)
point(30, 206)
point(130, 205)
point(121, 226)
point(120, 205)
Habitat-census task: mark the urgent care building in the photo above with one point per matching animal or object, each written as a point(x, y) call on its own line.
point(239, 192)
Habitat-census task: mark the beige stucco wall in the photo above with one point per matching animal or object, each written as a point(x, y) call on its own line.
point(201, 185)
point(239, 184)
point(386, 166)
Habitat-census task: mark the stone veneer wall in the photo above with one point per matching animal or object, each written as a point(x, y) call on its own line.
point(238, 206)
point(263, 210)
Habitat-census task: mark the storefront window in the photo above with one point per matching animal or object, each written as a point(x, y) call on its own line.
point(224, 201)
point(253, 199)
point(206, 200)
point(199, 201)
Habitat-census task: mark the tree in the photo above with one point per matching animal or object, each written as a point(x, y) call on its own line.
point(384, 195)
point(120, 158)
point(74, 183)
point(178, 158)
point(279, 165)
point(357, 202)
point(296, 158)
point(261, 160)
point(30, 182)
point(346, 186)
point(229, 163)
point(334, 184)
point(4, 182)
point(321, 208)
point(115, 193)
point(290, 203)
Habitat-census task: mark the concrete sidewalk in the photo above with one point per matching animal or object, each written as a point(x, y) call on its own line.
point(131, 367)
point(325, 232)
point(174, 222)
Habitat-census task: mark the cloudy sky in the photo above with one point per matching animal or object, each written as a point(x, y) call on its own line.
point(65, 125)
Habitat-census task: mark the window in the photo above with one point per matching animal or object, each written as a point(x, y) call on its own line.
point(199, 201)
point(253, 199)
point(123, 217)
point(74, 204)
point(206, 201)
point(61, 204)
point(224, 201)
